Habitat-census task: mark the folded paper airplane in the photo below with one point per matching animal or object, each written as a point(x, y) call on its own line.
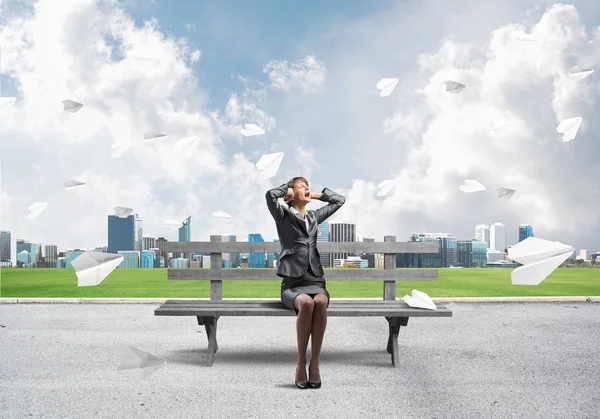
point(269, 164)
point(419, 300)
point(138, 363)
point(92, 267)
point(539, 258)
point(387, 86)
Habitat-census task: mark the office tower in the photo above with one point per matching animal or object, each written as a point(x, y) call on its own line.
point(498, 237)
point(131, 259)
point(256, 259)
point(340, 231)
point(482, 233)
point(525, 230)
point(138, 233)
point(148, 242)
point(121, 234)
point(23, 245)
point(147, 259)
point(185, 234)
point(323, 237)
point(36, 253)
point(161, 244)
point(5, 246)
point(233, 257)
point(446, 256)
point(50, 255)
point(472, 253)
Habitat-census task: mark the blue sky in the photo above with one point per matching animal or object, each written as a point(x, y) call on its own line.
point(318, 105)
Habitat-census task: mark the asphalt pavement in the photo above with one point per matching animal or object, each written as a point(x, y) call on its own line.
point(490, 360)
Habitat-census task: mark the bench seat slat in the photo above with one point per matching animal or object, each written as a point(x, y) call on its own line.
point(275, 308)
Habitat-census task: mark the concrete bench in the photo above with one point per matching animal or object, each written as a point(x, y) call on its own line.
point(208, 312)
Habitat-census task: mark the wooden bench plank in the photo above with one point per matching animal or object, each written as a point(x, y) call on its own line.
point(324, 247)
point(364, 274)
point(332, 311)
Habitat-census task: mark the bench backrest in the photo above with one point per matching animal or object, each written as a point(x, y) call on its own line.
point(389, 275)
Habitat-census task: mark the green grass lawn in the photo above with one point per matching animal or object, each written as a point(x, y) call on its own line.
point(153, 283)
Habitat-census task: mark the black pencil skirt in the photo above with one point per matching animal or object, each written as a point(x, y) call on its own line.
point(306, 284)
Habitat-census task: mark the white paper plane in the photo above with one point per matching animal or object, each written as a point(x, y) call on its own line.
point(92, 267)
point(569, 127)
point(269, 164)
point(387, 86)
point(71, 106)
point(539, 258)
point(520, 35)
point(419, 300)
point(471, 185)
point(579, 73)
point(386, 187)
point(72, 184)
point(505, 193)
point(153, 136)
point(36, 209)
point(186, 143)
point(221, 215)
point(117, 150)
point(7, 101)
point(454, 87)
point(123, 212)
point(137, 363)
point(250, 130)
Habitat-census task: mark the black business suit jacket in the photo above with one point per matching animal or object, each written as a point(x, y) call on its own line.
point(299, 246)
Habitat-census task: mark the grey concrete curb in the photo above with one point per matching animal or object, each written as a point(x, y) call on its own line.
point(595, 299)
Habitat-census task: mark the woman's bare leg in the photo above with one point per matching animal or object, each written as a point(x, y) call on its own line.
point(319, 323)
point(304, 304)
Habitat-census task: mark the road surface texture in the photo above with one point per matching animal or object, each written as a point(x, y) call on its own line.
point(491, 360)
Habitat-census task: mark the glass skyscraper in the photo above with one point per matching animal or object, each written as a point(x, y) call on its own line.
point(472, 253)
point(323, 236)
point(185, 234)
point(121, 234)
point(525, 231)
point(256, 259)
point(5, 254)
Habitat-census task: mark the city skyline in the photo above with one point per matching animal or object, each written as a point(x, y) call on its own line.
point(151, 74)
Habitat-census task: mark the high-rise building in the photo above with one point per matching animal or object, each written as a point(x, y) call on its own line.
point(121, 234)
point(256, 259)
point(23, 245)
point(498, 237)
point(138, 233)
point(24, 259)
point(323, 236)
point(148, 242)
point(185, 234)
point(340, 231)
point(446, 256)
point(482, 233)
point(50, 255)
point(5, 246)
point(161, 244)
point(472, 253)
point(525, 231)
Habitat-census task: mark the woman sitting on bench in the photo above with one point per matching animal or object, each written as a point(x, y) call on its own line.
point(303, 287)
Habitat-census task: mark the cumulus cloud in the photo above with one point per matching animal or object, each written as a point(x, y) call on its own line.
point(307, 75)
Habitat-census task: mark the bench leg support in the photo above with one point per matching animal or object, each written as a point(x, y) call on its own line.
point(210, 324)
point(392, 345)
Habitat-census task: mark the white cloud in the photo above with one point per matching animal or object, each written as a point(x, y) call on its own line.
point(308, 75)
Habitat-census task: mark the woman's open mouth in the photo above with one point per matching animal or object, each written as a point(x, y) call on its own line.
point(307, 195)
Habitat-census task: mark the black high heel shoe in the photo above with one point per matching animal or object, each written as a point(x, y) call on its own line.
point(303, 385)
point(313, 384)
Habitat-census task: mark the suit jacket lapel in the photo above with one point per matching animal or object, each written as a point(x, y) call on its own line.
point(300, 221)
